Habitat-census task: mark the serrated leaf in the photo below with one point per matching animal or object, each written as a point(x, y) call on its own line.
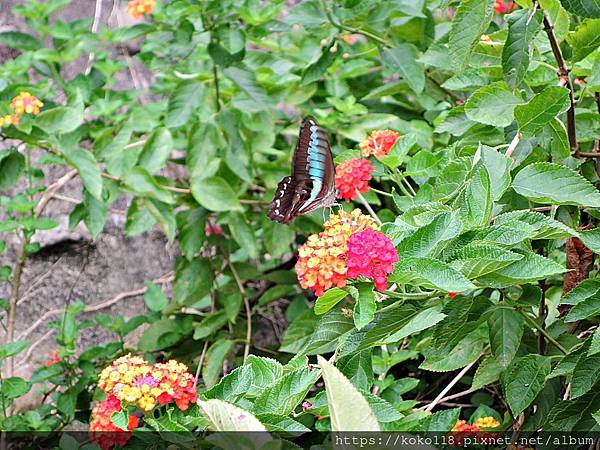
point(59, 120)
point(586, 374)
point(215, 356)
point(223, 416)
point(506, 329)
point(555, 184)
point(17, 39)
point(530, 268)
point(480, 258)
point(182, 102)
point(365, 306)
point(475, 202)
point(315, 71)
point(286, 393)
point(430, 273)
point(567, 415)
point(232, 386)
point(585, 39)
point(463, 353)
point(142, 183)
point(498, 168)
point(541, 109)
point(243, 234)
point(12, 164)
point(340, 394)
point(421, 321)
point(215, 194)
point(584, 309)
point(154, 297)
point(584, 290)
point(402, 58)
point(264, 371)
point(88, 169)
point(523, 380)
point(543, 227)
point(246, 81)
point(595, 343)
point(493, 104)
point(156, 151)
point(12, 348)
point(488, 372)
point(329, 299)
point(429, 239)
point(522, 28)
point(469, 23)
point(583, 8)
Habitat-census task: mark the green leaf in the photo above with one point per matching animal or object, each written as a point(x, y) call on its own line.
point(522, 28)
point(120, 419)
point(12, 164)
point(541, 225)
point(582, 310)
point(443, 421)
point(215, 194)
point(223, 416)
point(402, 58)
point(479, 258)
point(568, 415)
point(488, 372)
point(183, 101)
point(364, 309)
point(340, 394)
point(583, 8)
point(493, 104)
point(584, 290)
point(591, 239)
point(159, 335)
point(586, 374)
point(530, 268)
point(282, 397)
point(551, 183)
point(415, 324)
point(21, 41)
point(154, 297)
point(554, 135)
point(246, 81)
point(88, 169)
point(498, 168)
point(232, 386)
point(12, 348)
point(141, 182)
point(475, 202)
point(585, 39)
point(265, 371)
point(315, 71)
point(156, 150)
point(95, 214)
point(59, 120)
point(215, 356)
point(193, 280)
point(506, 329)
point(430, 239)
point(210, 324)
point(430, 273)
point(471, 20)
point(243, 234)
point(329, 299)
point(523, 380)
point(14, 387)
point(541, 109)
point(595, 343)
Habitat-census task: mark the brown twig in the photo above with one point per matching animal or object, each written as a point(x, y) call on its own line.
point(564, 80)
point(102, 305)
point(21, 257)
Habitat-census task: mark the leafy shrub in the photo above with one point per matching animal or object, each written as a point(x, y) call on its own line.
point(466, 136)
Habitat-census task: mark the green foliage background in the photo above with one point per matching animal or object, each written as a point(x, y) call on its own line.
point(496, 169)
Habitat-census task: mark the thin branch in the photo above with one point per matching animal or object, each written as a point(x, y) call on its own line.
point(246, 306)
point(544, 332)
point(455, 380)
point(102, 305)
point(34, 345)
point(20, 258)
point(217, 90)
point(513, 145)
point(564, 80)
point(597, 142)
point(97, 15)
point(371, 212)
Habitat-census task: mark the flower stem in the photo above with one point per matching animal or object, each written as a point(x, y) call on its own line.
point(544, 332)
point(366, 204)
point(387, 194)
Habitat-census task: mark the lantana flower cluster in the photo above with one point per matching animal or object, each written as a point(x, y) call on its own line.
point(103, 431)
point(132, 379)
point(23, 103)
point(477, 425)
point(352, 176)
point(137, 8)
point(325, 259)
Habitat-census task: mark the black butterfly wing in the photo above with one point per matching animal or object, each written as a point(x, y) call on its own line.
point(312, 182)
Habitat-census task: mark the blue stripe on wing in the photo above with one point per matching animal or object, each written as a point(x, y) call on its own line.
point(316, 163)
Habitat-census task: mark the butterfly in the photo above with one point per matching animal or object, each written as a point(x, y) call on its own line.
point(311, 184)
